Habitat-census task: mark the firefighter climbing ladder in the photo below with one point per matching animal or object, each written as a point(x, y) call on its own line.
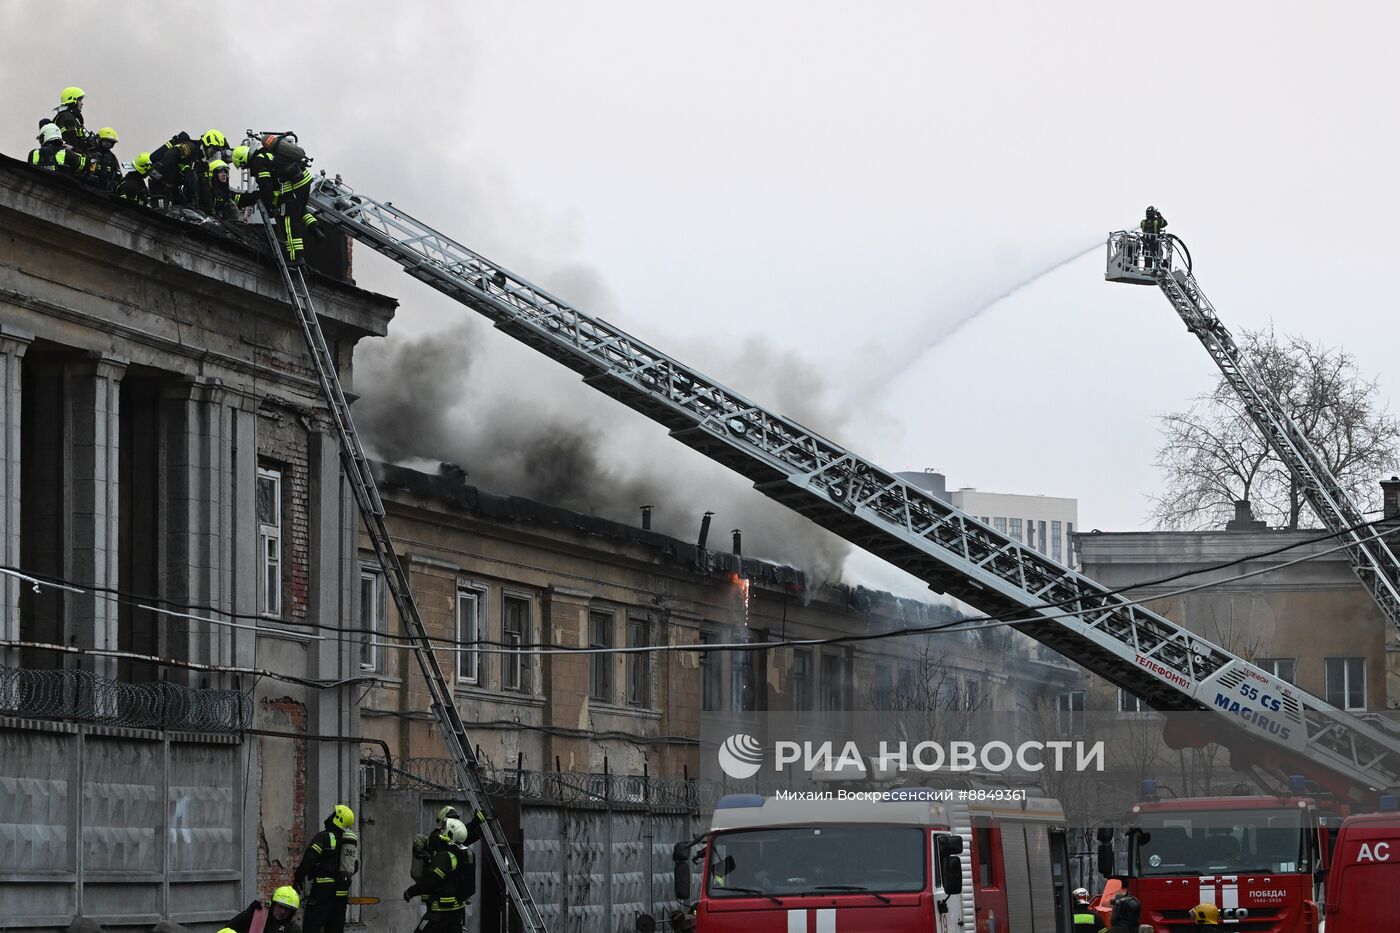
point(366, 493)
point(1138, 650)
point(1130, 260)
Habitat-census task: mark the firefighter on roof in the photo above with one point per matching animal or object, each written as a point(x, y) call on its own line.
point(133, 184)
point(68, 115)
point(53, 156)
point(104, 170)
point(331, 860)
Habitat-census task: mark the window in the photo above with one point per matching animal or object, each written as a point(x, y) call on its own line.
point(1069, 711)
point(469, 601)
point(999, 524)
point(269, 507)
point(1069, 543)
point(801, 678)
point(1030, 533)
point(1282, 668)
point(1016, 529)
point(711, 689)
point(1040, 537)
point(1131, 703)
point(833, 675)
point(744, 679)
point(972, 692)
point(600, 635)
point(1056, 545)
point(1346, 683)
point(515, 631)
point(372, 612)
point(986, 520)
point(638, 664)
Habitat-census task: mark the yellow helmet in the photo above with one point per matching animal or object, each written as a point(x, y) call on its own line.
point(240, 157)
point(287, 896)
point(107, 133)
point(142, 164)
point(218, 165)
point(227, 930)
point(343, 816)
point(1205, 915)
point(70, 95)
point(214, 140)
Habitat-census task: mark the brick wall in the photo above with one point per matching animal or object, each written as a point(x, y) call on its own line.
point(282, 445)
point(275, 868)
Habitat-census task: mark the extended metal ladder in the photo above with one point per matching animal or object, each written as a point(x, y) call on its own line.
point(1135, 260)
point(371, 507)
point(1136, 649)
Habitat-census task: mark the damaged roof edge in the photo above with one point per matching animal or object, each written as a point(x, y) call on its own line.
point(450, 487)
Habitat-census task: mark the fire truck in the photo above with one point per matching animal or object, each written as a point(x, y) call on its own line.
point(1366, 864)
point(1260, 860)
point(908, 861)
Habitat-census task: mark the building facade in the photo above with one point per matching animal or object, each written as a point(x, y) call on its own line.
point(179, 565)
point(1045, 523)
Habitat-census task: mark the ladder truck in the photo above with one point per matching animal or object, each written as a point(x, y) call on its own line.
point(1163, 260)
point(1172, 668)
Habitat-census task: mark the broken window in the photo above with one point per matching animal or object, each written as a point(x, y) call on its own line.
point(269, 509)
point(801, 677)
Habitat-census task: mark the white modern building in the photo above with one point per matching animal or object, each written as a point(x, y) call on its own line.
point(1045, 523)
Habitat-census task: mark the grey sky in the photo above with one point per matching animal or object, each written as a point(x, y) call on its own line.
point(843, 182)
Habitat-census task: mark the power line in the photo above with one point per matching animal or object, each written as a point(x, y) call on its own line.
point(965, 624)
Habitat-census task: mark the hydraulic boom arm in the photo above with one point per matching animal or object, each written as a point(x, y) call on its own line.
point(1138, 650)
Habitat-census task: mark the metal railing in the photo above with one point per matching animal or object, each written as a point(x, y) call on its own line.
point(80, 696)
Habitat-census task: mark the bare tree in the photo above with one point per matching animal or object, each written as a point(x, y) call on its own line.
point(1212, 454)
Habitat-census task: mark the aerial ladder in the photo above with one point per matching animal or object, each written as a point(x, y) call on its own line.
point(1163, 260)
point(1138, 650)
point(371, 507)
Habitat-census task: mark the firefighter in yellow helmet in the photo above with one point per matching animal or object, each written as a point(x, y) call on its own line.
point(331, 860)
point(133, 184)
point(282, 172)
point(104, 169)
point(450, 880)
point(1205, 915)
point(276, 912)
point(69, 117)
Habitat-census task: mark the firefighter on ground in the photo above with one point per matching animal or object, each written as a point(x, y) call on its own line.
point(422, 848)
point(172, 177)
point(133, 184)
point(104, 170)
point(1127, 912)
point(1205, 915)
point(450, 881)
point(282, 173)
point(53, 156)
point(279, 911)
point(69, 117)
point(1084, 919)
point(330, 861)
point(215, 197)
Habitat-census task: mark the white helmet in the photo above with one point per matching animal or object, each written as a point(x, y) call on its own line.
point(455, 830)
point(49, 132)
point(1081, 895)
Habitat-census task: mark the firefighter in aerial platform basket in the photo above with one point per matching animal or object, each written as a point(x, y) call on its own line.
point(1153, 225)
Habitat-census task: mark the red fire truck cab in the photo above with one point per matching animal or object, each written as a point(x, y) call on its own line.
point(1366, 864)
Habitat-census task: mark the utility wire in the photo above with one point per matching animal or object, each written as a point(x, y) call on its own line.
point(956, 626)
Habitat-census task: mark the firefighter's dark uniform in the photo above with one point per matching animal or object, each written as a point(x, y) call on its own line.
point(1152, 226)
point(133, 188)
point(104, 170)
point(172, 170)
point(330, 889)
point(52, 157)
point(450, 883)
point(215, 198)
point(244, 921)
point(283, 189)
point(75, 134)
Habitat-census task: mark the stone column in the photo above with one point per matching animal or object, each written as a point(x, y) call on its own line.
point(12, 347)
point(332, 768)
point(92, 395)
point(197, 447)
